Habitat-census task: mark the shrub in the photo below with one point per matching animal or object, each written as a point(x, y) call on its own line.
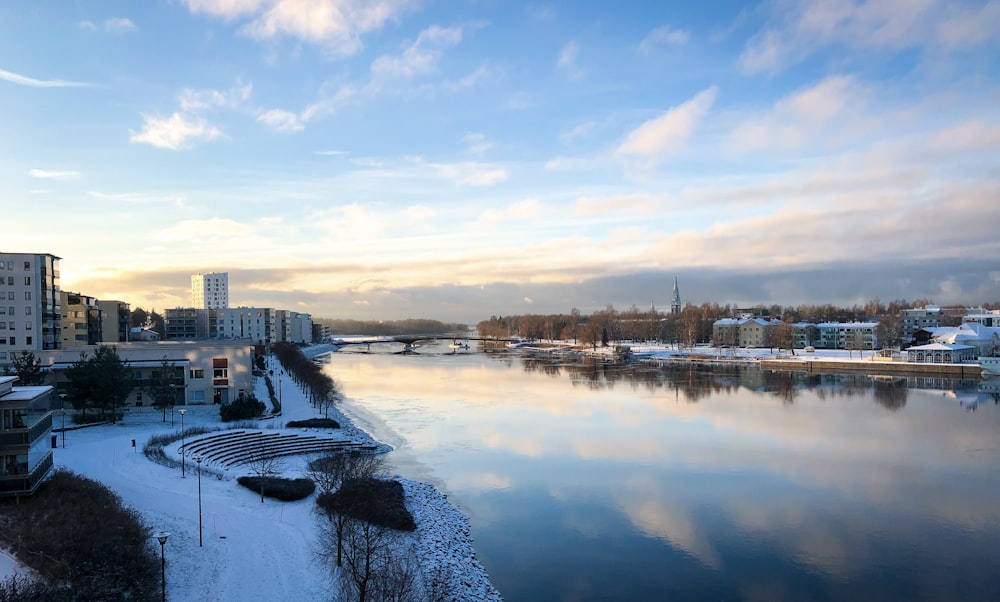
point(77, 533)
point(319, 423)
point(243, 407)
point(285, 490)
point(377, 501)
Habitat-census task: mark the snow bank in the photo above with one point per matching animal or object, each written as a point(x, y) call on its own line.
point(444, 547)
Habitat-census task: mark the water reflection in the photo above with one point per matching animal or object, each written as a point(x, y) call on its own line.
point(591, 480)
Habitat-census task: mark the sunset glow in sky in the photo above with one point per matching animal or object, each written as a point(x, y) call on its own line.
point(394, 158)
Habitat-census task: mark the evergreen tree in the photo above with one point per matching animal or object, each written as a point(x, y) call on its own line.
point(28, 369)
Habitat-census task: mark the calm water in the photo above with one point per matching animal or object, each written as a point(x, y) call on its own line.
point(589, 481)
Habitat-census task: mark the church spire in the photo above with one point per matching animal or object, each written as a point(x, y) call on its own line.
point(675, 303)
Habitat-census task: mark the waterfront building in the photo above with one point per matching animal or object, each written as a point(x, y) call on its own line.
point(30, 312)
point(25, 431)
point(942, 353)
point(743, 332)
point(81, 322)
point(210, 291)
point(846, 335)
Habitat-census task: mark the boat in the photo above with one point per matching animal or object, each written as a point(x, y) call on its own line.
point(990, 365)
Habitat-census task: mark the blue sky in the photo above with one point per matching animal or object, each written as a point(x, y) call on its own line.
point(390, 159)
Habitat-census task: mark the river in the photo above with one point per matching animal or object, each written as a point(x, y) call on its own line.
point(587, 480)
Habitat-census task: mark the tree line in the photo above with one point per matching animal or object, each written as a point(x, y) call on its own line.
point(693, 325)
point(390, 327)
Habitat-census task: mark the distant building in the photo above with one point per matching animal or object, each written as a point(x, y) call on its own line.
point(25, 431)
point(941, 353)
point(30, 315)
point(258, 324)
point(137, 333)
point(210, 291)
point(844, 335)
point(743, 332)
point(919, 318)
point(81, 322)
point(189, 323)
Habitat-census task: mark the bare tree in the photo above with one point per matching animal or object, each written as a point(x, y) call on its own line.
point(264, 465)
point(329, 473)
point(374, 570)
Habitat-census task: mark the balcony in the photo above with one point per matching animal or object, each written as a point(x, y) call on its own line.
point(26, 484)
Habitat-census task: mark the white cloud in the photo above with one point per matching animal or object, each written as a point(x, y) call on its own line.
point(476, 143)
point(669, 132)
point(281, 121)
point(53, 175)
point(86, 26)
point(119, 25)
point(577, 132)
point(799, 118)
point(798, 29)
point(567, 60)
point(335, 25)
point(138, 197)
point(31, 82)
point(420, 57)
point(175, 132)
point(663, 35)
point(520, 212)
point(196, 100)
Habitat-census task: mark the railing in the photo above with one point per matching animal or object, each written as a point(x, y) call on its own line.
point(27, 436)
point(26, 484)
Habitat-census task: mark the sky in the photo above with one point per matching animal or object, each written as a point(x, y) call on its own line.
point(387, 159)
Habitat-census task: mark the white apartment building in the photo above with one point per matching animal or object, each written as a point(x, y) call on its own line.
point(294, 327)
point(30, 311)
point(210, 291)
point(259, 324)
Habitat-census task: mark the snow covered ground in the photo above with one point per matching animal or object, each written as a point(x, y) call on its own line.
point(251, 550)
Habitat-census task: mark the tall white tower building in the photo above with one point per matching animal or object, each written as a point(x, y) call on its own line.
point(210, 291)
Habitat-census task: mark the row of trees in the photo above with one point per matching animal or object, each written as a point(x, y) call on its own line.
point(321, 389)
point(694, 323)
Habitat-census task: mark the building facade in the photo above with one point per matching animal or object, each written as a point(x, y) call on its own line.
point(918, 319)
point(81, 322)
point(258, 324)
point(115, 321)
point(210, 291)
point(30, 304)
point(189, 323)
point(25, 432)
point(203, 372)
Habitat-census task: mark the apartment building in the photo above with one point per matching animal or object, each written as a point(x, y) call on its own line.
point(30, 311)
point(81, 322)
point(115, 320)
point(25, 430)
point(258, 324)
point(189, 323)
point(210, 291)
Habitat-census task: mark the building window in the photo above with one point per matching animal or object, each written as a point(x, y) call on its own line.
point(27, 340)
point(196, 396)
point(197, 373)
point(27, 265)
point(27, 295)
point(27, 311)
point(27, 325)
point(27, 280)
point(220, 373)
point(12, 341)
point(10, 295)
point(10, 281)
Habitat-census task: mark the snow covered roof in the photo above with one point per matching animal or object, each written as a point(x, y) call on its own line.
point(940, 347)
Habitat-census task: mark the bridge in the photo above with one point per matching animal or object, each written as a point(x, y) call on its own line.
point(410, 341)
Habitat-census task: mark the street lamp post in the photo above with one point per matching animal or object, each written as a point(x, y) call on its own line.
point(182, 412)
point(162, 538)
point(198, 460)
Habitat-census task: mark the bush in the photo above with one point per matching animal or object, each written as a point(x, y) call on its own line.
point(77, 533)
point(377, 501)
point(242, 408)
point(285, 490)
point(318, 423)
